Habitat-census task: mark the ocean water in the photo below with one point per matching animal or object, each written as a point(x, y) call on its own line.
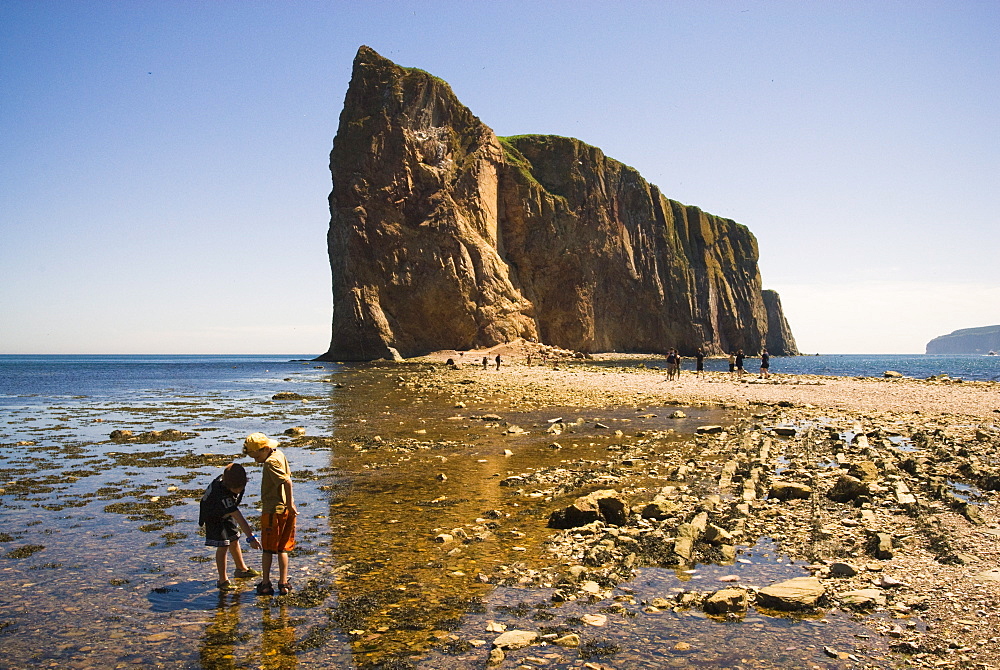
point(41, 378)
point(920, 366)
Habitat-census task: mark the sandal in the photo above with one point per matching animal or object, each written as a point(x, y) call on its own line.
point(246, 574)
point(284, 589)
point(265, 589)
point(226, 586)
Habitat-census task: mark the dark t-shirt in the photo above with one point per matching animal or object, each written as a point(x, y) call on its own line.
point(217, 502)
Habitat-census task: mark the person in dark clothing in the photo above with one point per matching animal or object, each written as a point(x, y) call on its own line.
point(765, 364)
point(699, 358)
point(220, 514)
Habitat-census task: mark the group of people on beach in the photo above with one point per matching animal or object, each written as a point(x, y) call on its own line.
point(736, 362)
point(220, 515)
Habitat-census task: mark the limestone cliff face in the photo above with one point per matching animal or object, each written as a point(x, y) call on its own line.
point(443, 236)
point(779, 334)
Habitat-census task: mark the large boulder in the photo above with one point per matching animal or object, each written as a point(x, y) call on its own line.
point(789, 491)
point(607, 506)
point(793, 594)
point(847, 488)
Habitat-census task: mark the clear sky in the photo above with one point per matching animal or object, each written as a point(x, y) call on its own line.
point(164, 165)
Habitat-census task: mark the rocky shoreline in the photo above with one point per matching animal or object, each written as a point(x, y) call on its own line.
point(881, 488)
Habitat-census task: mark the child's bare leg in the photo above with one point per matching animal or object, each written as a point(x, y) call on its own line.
point(265, 566)
point(283, 567)
point(220, 561)
point(237, 553)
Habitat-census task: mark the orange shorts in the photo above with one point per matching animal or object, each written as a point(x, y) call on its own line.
point(277, 532)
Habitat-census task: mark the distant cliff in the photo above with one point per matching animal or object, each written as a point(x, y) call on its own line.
point(444, 236)
point(967, 341)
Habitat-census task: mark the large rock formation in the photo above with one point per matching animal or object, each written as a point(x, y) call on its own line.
point(779, 333)
point(967, 341)
point(443, 236)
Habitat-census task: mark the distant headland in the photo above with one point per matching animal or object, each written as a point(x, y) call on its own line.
point(444, 236)
point(982, 340)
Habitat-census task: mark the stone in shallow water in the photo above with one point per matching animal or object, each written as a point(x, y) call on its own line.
point(724, 601)
point(515, 639)
point(798, 593)
point(863, 598)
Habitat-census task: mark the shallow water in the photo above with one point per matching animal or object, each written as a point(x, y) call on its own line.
point(104, 566)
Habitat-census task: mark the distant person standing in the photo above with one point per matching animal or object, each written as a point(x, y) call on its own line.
point(739, 363)
point(765, 364)
point(671, 359)
point(486, 361)
point(699, 361)
point(498, 361)
point(732, 364)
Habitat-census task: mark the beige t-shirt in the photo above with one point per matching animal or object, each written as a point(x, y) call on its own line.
point(272, 491)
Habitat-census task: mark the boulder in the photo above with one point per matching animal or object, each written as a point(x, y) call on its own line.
point(865, 471)
point(793, 594)
point(717, 536)
point(847, 488)
point(781, 490)
point(862, 598)
point(515, 639)
point(880, 545)
point(607, 506)
point(726, 601)
point(660, 508)
point(839, 569)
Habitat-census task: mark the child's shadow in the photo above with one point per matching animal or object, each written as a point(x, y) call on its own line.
point(194, 595)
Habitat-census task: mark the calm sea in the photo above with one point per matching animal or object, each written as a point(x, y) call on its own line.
point(37, 378)
point(138, 377)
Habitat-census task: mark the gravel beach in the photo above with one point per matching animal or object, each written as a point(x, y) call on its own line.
point(924, 454)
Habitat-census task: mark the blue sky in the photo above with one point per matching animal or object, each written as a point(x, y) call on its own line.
point(164, 165)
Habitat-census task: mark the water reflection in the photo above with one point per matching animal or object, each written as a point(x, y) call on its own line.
point(400, 532)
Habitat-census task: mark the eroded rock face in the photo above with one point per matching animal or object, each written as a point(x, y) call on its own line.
point(443, 236)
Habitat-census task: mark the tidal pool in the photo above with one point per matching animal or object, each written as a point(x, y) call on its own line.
point(105, 567)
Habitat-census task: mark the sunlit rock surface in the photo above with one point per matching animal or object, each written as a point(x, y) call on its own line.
point(444, 236)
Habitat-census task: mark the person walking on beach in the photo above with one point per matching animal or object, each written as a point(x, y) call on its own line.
point(732, 364)
point(219, 512)
point(498, 361)
point(278, 510)
point(699, 362)
point(765, 364)
point(739, 363)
